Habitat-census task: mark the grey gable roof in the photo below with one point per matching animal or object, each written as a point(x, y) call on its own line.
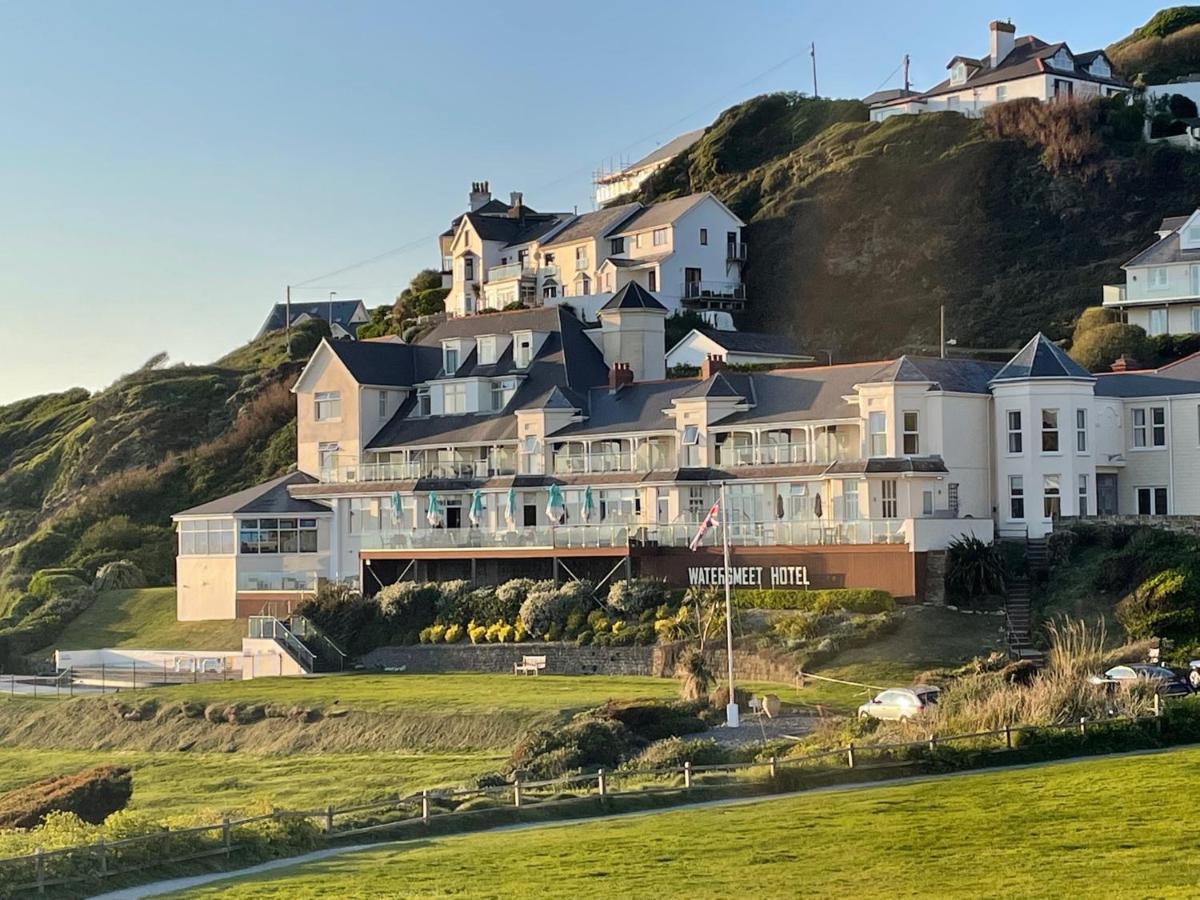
point(633, 296)
point(1144, 384)
point(667, 151)
point(1164, 250)
point(343, 314)
point(593, 224)
point(1040, 358)
point(660, 214)
point(269, 498)
point(752, 342)
point(378, 362)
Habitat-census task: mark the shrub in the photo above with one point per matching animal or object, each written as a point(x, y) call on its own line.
point(1096, 350)
point(800, 626)
point(546, 605)
point(436, 632)
point(583, 638)
point(1164, 605)
point(353, 622)
point(652, 721)
point(695, 677)
point(511, 594)
point(49, 584)
point(453, 634)
point(46, 548)
point(306, 336)
point(119, 575)
point(476, 633)
point(412, 603)
point(973, 568)
point(576, 621)
point(583, 744)
point(630, 597)
point(860, 600)
point(92, 795)
point(672, 753)
point(452, 605)
point(644, 635)
point(720, 697)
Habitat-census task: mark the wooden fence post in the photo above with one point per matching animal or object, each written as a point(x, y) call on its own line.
point(1157, 705)
point(425, 807)
point(602, 782)
point(329, 818)
point(687, 774)
point(226, 835)
point(1007, 735)
point(517, 793)
point(103, 858)
point(932, 743)
point(850, 755)
point(39, 867)
point(774, 768)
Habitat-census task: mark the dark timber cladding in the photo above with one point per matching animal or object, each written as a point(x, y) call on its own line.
point(889, 568)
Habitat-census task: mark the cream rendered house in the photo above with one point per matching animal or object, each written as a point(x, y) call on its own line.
point(611, 185)
point(1014, 67)
point(1161, 292)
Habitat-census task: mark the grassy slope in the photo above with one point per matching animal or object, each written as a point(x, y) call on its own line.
point(915, 212)
point(1072, 830)
point(1166, 47)
point(182, 783)
point(927, 638)
point(145, 619)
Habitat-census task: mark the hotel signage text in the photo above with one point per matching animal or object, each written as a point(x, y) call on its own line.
point(749, 576)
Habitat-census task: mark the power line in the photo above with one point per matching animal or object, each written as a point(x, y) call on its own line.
point(308, 283)
point(889, 78)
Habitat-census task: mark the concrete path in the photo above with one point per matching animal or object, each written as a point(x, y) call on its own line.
point(172, 885)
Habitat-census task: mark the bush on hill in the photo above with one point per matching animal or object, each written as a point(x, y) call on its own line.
point(1097, 349)
point(1166, 47)
point(118, 575)
point(92, 795)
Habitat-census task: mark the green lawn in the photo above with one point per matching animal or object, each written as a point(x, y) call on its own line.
point(145, 619)
point(184, 783)
point(1097, 828)
point(441, 694)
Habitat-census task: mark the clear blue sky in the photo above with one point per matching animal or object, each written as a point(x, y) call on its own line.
point(167, 167)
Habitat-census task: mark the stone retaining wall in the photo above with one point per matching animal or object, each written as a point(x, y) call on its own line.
point(1181, 524)
point(561, 659)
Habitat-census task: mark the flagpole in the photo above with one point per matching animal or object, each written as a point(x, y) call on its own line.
point(731, 708)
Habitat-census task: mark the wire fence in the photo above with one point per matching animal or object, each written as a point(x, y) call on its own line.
point(107, 678)
point(93, 863)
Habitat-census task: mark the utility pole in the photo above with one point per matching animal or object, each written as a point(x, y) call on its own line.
point(288, 313)
point(332, 294)
point(812, 51)
point(732, 718)
point(906, 82)
point(942, 338)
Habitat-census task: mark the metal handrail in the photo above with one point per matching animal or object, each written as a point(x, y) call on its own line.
point(271, 628)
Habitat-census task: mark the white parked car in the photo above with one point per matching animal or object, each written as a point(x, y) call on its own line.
point(900, 704)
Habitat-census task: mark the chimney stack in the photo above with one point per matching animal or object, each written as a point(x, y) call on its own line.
point(516, 207)
point(1003, 35)
point(619, 375)
point(479, 196)
point(1125, 363)
point(712, 365)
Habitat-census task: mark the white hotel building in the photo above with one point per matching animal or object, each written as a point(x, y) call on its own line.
point(439, 459)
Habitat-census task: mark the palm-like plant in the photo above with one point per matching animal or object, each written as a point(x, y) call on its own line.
point(695, 677)
point(974, 568)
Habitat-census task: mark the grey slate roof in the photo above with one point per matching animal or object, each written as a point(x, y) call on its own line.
point(753, 342)
point(593, 224)
point(1145, 384)
point(724, 384)
point(660, 214)
point(1040, 358)
point(669, 150)
point(269, 498)
point(343, 313)
point(1029, 56)
point(633, 296)
point(379, 362)
point(1165, 250)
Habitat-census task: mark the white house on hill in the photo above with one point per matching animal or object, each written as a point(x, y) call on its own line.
point(737, 348)
point(1161, 292)
point(1014, 67)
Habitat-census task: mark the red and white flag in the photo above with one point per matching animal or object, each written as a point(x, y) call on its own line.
point(710, 521)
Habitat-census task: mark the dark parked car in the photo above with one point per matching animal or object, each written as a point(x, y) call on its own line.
point(1169, 684)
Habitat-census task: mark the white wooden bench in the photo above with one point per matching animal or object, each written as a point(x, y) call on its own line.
point(529, 665)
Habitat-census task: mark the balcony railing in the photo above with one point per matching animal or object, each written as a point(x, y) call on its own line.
point(616, 535)
point(731, 456)
point(1114, 293)
point(735, 252)
point(476, 469)
point(277, 581)
point(512, 270)
point(581, 263)
point(704, 290)
point(579, 463)
point(550, 271)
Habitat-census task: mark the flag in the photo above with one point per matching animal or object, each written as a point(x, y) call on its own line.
point(710, 521)
point(475, 513)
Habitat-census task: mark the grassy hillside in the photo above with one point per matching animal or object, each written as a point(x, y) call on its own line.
point(1165, 48)
point(937, 838)
point(859, 231)
point(145, 619)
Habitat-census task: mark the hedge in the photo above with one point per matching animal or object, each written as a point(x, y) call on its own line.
point(856, 600)
point(93, 795)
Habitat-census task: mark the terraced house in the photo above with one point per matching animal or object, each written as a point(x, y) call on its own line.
point(530, 443)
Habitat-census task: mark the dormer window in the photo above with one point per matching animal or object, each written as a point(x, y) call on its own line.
point(450, 360)
point(454, 399)
point(691, 435)
point(1100, 67)
point(618, 245)
point(486, 349)
point(522, 349)
point(958, 73)
point(424, 407)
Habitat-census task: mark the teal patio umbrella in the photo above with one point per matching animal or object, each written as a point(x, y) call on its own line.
point(433, 514)
point(475, 513)
point(510, 508)
point(397, 508)
point(556, 507)
point(589, 505)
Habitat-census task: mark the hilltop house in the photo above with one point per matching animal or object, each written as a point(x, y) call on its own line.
point(611, 185)
point(526, 443)
point(343, 316)
point(737, 348)
point(1161, 292)
point(1014, 67)
point(688, 252)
